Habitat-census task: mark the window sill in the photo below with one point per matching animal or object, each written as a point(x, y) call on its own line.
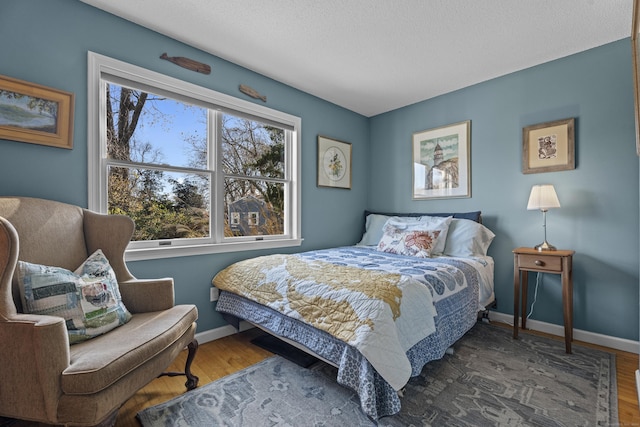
point(180, 251)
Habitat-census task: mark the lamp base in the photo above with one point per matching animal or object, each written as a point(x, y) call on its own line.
point(544, 246)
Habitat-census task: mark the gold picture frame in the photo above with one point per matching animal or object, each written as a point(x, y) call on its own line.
point(334, 163)
point(441, 162)
point(35, 114)
point(549, 147)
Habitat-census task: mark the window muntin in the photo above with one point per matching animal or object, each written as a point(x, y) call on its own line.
point(193, 174)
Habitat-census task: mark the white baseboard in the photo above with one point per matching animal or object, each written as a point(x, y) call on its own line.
point(638, 385)
point(580, 335)
point(221, 332)
point(536, 325)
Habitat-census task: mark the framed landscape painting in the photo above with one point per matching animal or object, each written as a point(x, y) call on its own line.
point(441, 165)
point(36, 114)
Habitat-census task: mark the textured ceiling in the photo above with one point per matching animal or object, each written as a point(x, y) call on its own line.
point(373, 56)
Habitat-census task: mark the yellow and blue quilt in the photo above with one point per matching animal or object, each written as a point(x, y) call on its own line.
point(381, 314)
point(458, 287)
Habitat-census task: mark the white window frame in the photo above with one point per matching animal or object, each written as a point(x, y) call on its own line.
point(102, 67)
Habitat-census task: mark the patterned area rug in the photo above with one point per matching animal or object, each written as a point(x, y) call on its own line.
point(490, 380)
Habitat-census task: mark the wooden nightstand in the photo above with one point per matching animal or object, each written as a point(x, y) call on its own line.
point(554, 262)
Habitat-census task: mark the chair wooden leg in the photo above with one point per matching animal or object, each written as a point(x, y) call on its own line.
point(192, 380)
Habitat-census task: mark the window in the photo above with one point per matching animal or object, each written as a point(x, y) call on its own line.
point(189, 164)
point(254, 218)
point(235, 218)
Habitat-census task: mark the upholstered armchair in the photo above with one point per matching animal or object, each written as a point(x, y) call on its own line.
point(42, 377)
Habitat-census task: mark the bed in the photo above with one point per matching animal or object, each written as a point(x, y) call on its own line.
point(379, 310)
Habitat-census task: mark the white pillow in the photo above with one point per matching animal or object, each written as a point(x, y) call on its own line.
point(467, 238)
point(374, 225)
point(408, 239)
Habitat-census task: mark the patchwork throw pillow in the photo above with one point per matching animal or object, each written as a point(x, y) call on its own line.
point(410, 240)
point(88, 299)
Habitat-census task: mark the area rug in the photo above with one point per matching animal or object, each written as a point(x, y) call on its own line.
point(490, 380)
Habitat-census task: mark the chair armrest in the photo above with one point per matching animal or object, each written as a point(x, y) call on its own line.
point(35, 352)
point(146, 295)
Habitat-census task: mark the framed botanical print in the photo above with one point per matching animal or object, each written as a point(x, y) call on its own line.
point(441, 166)
point(334, 163)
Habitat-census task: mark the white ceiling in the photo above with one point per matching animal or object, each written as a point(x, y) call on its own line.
point(373, 56)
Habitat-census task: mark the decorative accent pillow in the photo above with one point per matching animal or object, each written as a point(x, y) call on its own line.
point(468, 238)
point(374, 227)
point(410, 240)
point(437, 223)
point(88, 299)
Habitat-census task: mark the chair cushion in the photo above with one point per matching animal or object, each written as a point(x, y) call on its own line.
point(88, 299)
point(98, 363)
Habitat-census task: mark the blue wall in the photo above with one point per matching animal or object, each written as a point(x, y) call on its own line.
point(46, 42)
point(598, 217)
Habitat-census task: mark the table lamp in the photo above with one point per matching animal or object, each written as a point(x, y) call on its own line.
point(543, 197)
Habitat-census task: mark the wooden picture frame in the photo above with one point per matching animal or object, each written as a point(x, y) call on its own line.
point(334, 163)
point(635, 57)
point(35, 114)
point(548, 147)
point(441, 162)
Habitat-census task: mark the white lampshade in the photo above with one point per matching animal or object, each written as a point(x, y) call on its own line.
point(543, 197)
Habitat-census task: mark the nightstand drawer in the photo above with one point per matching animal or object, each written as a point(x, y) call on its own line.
point(548, 263)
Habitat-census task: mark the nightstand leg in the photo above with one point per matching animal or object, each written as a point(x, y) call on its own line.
point(567, 302)
point(524, 288)
point(516, 296)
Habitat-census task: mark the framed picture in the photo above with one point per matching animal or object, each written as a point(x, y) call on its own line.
point(334, 163)
point(635, 57)
point(441, 165)
point(36, 114)
point(548, 147)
